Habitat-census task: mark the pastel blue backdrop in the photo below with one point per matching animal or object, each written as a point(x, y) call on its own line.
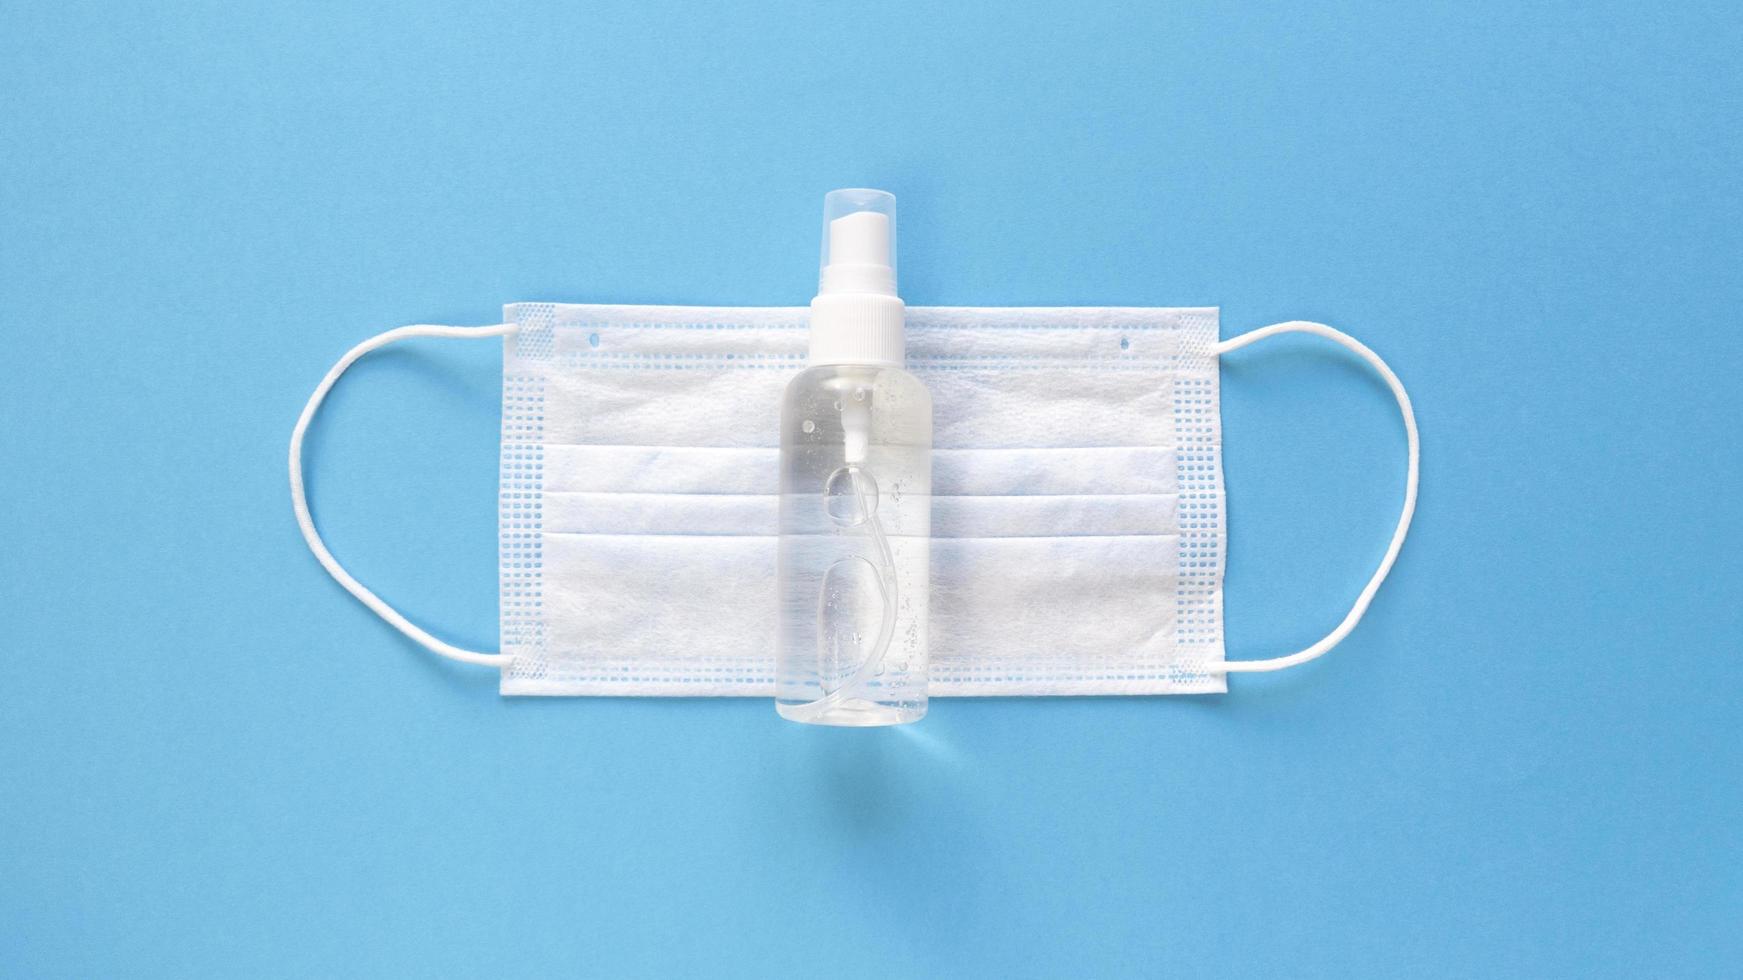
point(1525, 762)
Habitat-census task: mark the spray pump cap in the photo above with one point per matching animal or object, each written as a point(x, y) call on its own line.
point(859, 242)
point(857, 317)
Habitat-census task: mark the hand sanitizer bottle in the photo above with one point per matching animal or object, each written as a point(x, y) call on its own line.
point(856, 491)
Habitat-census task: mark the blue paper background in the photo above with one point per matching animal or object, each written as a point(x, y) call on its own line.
point(1525, 761)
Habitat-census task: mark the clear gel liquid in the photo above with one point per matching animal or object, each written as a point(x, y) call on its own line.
point(856, 508)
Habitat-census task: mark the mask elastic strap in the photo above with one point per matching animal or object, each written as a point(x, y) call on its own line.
point(1336, 636)
point(300, 503)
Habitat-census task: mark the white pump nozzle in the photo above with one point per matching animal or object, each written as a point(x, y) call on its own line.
point(857, 257)
point(857, 317)
point(862, 237)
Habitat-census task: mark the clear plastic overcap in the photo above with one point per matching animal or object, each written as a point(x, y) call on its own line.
point(859, 242)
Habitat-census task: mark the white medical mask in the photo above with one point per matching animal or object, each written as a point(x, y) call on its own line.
point(1078, 517)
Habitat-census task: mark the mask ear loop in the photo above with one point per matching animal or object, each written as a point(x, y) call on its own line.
point(1336, 636)
point(300, 503)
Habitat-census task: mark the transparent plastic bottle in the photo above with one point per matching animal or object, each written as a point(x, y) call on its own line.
point(856, 492)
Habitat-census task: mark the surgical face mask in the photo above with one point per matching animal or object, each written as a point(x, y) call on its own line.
point(1079, 524)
